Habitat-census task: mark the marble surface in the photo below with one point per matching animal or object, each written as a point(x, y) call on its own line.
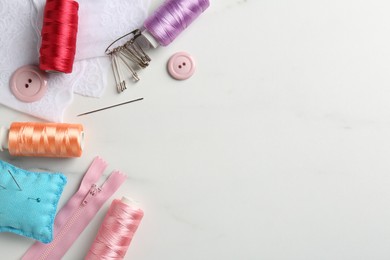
point(277, 147)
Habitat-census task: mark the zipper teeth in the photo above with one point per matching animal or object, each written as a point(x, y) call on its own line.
point(92, 192)
point(60, 235)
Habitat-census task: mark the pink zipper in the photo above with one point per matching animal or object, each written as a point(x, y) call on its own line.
point(75, 216)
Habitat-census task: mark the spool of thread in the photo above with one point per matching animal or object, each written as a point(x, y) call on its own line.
point(59, 33)
point(43, 139)
point(116, 232)
point(173, 17)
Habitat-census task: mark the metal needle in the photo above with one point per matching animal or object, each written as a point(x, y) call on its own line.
point(14, 180)
point(117, 105)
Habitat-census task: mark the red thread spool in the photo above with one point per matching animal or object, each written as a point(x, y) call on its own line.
point(59, 33)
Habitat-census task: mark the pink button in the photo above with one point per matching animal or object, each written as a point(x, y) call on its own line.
point(181, 66)
point(28, 83)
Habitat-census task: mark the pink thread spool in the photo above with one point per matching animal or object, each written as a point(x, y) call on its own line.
point(117, 231)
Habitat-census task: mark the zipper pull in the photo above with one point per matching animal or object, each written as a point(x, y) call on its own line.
point(91, 193)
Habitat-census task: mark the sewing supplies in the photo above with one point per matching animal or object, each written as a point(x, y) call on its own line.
point(105, 108)
point(117, 230)
point(43, 139)
point(78, 212)
point(29, 201)
point(161, 28)
point(59, 34)
point(100, 21)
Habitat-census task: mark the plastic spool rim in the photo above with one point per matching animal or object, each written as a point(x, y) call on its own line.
point(3, 138)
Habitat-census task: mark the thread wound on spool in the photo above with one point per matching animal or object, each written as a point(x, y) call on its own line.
point(116, 232)
point(45, 140)
point(173, 17)
point(59, 33)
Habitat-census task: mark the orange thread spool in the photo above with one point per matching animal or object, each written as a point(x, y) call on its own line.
point(45, 140)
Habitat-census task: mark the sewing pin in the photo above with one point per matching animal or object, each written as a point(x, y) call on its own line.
point(117, 105)
point(37, 199)
point(1, 186)
point(14, 180)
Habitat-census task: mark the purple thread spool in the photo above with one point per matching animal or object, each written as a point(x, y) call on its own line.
point(173, 17)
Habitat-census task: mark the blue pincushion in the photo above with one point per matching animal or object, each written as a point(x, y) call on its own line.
point(28, 201)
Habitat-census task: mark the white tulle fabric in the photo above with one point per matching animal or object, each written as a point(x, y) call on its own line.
point(100, 22)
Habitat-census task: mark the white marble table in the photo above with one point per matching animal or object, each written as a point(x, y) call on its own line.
point(277, 148)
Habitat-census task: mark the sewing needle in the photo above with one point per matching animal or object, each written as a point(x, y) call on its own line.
point(104, 108)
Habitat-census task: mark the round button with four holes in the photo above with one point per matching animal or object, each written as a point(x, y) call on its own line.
point(28, 83)
point(181, 66)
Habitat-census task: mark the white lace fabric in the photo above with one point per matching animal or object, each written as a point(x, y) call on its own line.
point(100, 22)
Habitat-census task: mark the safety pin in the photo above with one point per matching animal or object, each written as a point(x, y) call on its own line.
point(135, 75)
point(120, 84)
point(136, 33)
point(129, 54)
